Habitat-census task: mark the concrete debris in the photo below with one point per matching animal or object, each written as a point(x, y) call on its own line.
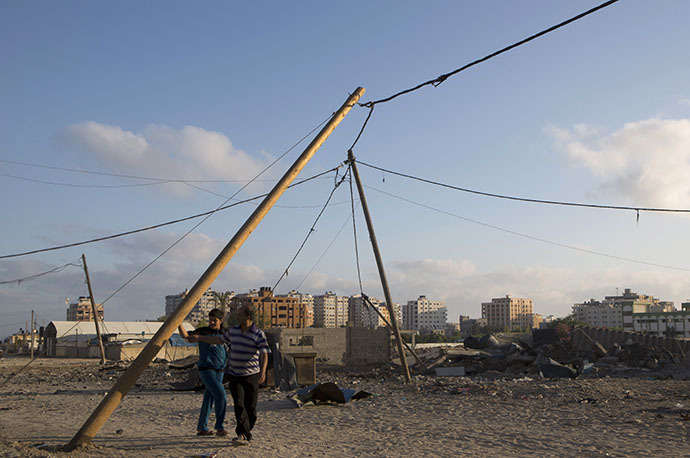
point(544, 355)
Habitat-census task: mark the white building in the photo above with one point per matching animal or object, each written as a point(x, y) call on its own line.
point(617, 311)
point(330, 311)
point(599, 314)
point(362, 314)
point(425, 315)
point(199, 312)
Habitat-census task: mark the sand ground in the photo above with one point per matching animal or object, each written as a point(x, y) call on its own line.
point(618, 414)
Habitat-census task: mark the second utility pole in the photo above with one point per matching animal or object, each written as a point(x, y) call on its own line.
point(93, 309)
point(379, 263)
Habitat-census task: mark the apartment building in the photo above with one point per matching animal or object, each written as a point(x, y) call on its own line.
point(423, 314)
point(330, 310)
point(272, 311)
point(81, 310)
point(307, 301)
point(508, 312)
point(199, 312)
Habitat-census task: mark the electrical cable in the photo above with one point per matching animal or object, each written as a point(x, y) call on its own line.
point(318, 261)
point(18, 281)
point(254, 203)
point(440, 79)
point(74, 185)
point(354, 231)
point(213, 212)
point(156, 226)
point(137, 177)
point(312, 229)
point(508, 231)
point(524, 199)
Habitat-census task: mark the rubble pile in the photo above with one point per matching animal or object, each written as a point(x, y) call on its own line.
point(544, 354)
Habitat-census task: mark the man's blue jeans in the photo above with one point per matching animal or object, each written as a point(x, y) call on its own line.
point(214, 394)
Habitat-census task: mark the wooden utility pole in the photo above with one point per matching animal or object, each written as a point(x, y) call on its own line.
point(94, 423)
point(32, 335)
point(388, 325)
point(379, 263)
point(94, 312)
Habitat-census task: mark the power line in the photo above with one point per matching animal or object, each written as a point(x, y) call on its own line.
point(318, 261)
point(74, 185)
point(119, 175)
point(217, 209)
point(311, 230)
point(440, 79)
point(525, 199)
point(276, 205)
point(354, 231)
point(19, 281)
point(508, 231)
point(156, 226)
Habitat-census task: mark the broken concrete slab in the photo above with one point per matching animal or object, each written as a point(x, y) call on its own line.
point(453, 371)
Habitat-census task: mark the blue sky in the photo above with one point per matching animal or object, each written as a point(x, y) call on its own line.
point(596, 112)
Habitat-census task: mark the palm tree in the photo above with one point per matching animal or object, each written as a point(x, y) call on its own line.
point(223, 300)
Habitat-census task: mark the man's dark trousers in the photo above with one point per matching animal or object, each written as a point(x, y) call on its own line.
point(245, 393)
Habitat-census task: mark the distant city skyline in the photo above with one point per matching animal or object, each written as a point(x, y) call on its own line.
point(151, 112)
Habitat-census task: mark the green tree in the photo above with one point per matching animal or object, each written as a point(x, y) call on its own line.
point(223, 300)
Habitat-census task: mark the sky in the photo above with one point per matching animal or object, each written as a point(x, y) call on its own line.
point(165, 109)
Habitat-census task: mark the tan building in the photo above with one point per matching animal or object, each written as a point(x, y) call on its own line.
point(307, 301)
point(272, 311)
point(81, 311)
point(508, 312)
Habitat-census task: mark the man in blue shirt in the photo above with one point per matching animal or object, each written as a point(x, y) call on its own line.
point(212, 363)
point(246, 367)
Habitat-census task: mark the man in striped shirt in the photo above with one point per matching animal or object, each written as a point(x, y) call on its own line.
point(247, 361)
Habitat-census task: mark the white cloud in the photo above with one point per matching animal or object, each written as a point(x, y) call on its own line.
point(645, 162)
point(193, 248)
point(191, 153)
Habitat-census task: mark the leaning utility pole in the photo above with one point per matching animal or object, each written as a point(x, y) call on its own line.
point(119, 390)
point(379, 263)
point(93, 309)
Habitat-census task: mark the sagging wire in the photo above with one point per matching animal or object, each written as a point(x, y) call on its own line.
point(217, 209)
point(336, 184)
point(442, 78)
point(156, 226)
point(19, 281)
point(636, 209)
point(354, 231)
point(508, 231)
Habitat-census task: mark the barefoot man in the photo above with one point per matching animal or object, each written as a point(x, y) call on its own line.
point(246, 367)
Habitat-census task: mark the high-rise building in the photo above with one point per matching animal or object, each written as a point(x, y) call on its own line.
point(81, 310)
point(330, 311)
point(423, 314)
point(272, 311)
point(199, 312)
point(508, 312)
